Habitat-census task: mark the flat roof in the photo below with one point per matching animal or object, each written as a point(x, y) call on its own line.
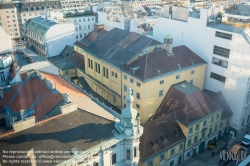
point(32, 55)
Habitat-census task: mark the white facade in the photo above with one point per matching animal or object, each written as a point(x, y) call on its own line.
point(50, 42)
point(83, 25)
point(5, 63)
point(201, 38)
point(111, 21)
point(57, 37)
point(5, 45)
point(74, 5)
point(120, 150)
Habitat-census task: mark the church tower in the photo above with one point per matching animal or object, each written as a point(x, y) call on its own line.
point(131, 127)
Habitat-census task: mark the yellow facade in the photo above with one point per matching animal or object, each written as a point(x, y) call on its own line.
point(69, 73)
point(212, 121)
point(156, 160)
point(149, 91)
point(109, 80)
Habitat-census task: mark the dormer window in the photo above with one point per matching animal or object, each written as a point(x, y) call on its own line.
point(163, 136)
point(153, 141)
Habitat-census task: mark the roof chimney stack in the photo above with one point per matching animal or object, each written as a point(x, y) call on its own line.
point(168, 40)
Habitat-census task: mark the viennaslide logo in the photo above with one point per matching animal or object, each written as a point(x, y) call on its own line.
point(226, 155)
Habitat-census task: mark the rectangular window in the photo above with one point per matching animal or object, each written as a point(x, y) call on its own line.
point(189, 142)
point(215, 128)
point(128, 154)
point(125, 77)
point(190, 130)
point(150, 163)
point(223, 35)
point(88, 26)
point(138, 96)
point(224, 52)
point(162, 157)
point(172, 163)
point(135, 152)
point(115, 75)
point(172, 152)
point(161, 82)
point(138, 84)
point(113, 159)
point(243, 122)
point(218, 77)
point(103, 71)
point(131, 80)
point(178, 77)
point(125, 88)
point(217, 116)
point(192, 82)
point(181, 147)
point(107, 73)
point(92, 18)
point(221, 124)
point(2, 76)
point(197, 127)
point(83, 19)
point(137, 106)
point(160, 93)
point(114, 99)
point(96, 164)
point(220, 62)
point(212, 120)
point(195, 138)
point(205, 123)
point(227, 121)
point(192, 72)
point(210, 130)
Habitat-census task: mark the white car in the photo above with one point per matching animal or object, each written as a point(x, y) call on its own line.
point(246, 140)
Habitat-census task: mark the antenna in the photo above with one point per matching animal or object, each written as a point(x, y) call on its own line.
point(181, 37)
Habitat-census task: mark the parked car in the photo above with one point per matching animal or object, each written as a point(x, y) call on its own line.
point(246, 140)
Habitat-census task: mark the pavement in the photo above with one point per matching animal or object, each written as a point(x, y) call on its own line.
point(205, 158)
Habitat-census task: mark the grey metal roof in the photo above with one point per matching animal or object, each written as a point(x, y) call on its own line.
point(119, 46)
point(78, 129)
point(40, 25)
point(66, 65)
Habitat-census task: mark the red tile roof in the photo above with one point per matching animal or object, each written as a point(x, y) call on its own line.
point(63, 86)
point(153, 130)
point(189, 102)
point(159, 62)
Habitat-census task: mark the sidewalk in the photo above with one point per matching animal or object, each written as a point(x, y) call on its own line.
point(206, 159)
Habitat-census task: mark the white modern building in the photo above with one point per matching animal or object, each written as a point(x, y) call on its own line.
point(6, 44)
point(114, 17)
point(47, 38)
point(226, 50)
point(84, 23)
point(74, 5)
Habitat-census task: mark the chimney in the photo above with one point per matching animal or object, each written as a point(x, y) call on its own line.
point(168, 40)
point(98, 27)
point(1, 93)
point(21, 114)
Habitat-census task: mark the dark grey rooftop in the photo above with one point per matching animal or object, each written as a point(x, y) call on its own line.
point(185, 88)
point(78, 129)
point(119, 46)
